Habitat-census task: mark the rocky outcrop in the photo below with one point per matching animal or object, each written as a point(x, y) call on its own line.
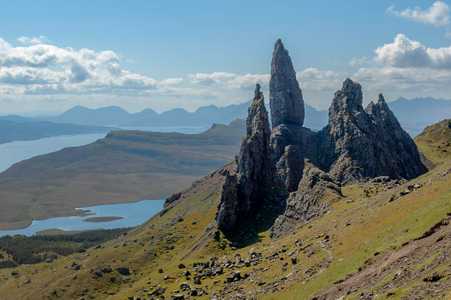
point(399, 154)
point(245, 193)
point(228, 212)
point(287, 116)
point(315, 192)
point(254, 165)
point(356, 145)
point(359, 144)
point(287, 104)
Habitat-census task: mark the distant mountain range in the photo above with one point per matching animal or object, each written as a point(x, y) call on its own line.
point(16, 128)
point(204, 116)
point(414, 115)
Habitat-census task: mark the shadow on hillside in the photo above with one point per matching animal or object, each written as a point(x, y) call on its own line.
point(250, 230)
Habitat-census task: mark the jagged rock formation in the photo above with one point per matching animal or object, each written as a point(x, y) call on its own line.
point(359, 144)
point(245, 192)
point(287, 116)
point(314, 193)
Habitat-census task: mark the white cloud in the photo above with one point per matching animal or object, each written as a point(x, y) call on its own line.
point(38, 67)
point(437, 14)
point(25, 40)
point(406, 53)
point(230, 80)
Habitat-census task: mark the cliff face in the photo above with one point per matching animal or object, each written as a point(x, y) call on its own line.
point(359, 144)
point(246, 191)
point(287, 115)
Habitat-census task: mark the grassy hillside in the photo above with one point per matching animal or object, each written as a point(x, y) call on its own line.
point(124, 166)
point(435, 141)
point(381, 241)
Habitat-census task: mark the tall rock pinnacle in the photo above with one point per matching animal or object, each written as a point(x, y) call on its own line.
point(245, 193)
point(254, 164)
point(287, 116)
point(286, 101)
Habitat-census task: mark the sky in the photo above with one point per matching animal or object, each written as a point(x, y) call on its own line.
point(167, 54)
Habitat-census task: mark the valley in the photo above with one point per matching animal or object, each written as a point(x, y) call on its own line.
point(122, 167)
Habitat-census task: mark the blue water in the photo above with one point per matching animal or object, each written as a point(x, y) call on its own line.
point(133, 214)
point(11, 153)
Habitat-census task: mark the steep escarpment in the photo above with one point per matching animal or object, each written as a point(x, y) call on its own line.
point(249, 189)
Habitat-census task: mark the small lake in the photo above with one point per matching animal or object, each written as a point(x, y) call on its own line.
point(130, 214)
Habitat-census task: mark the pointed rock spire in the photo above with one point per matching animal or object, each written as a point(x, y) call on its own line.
point(348, 99)
point(245, 193)
point(286, 101)
point(254, 164)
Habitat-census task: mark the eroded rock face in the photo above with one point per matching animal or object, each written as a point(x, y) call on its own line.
point(255, 168)
point(359, 144)
point(227, 215)
point(315, 192)
point(245, 192)
point(286, 101)
point(287, 116)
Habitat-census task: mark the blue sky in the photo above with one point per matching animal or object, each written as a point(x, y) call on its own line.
point(164, 54)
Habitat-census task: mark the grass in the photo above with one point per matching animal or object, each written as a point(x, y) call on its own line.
point(184, 234)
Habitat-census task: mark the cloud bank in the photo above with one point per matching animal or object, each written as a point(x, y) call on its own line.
point(37, 75)
point(436, 15)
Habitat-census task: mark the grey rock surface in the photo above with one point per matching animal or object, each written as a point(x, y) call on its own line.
point(286, 101)
point(358, 144)
point(287, 116)
point(315, 192)
point(245, 193)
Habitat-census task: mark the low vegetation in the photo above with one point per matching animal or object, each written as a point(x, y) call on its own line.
point(20, 249)
point(380, 241)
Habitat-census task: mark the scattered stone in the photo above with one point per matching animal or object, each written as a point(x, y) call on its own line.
point(433, 278)
point(185, 286)
point(123, 271)
point(178, 297)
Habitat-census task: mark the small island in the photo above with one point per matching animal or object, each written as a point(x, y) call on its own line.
point(102, 219)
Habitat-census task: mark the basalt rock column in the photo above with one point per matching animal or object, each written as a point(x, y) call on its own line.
point(245, 193)
point(287, 117)
point(286, 101)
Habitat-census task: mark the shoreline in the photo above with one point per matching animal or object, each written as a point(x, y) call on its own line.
point(73, 212)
